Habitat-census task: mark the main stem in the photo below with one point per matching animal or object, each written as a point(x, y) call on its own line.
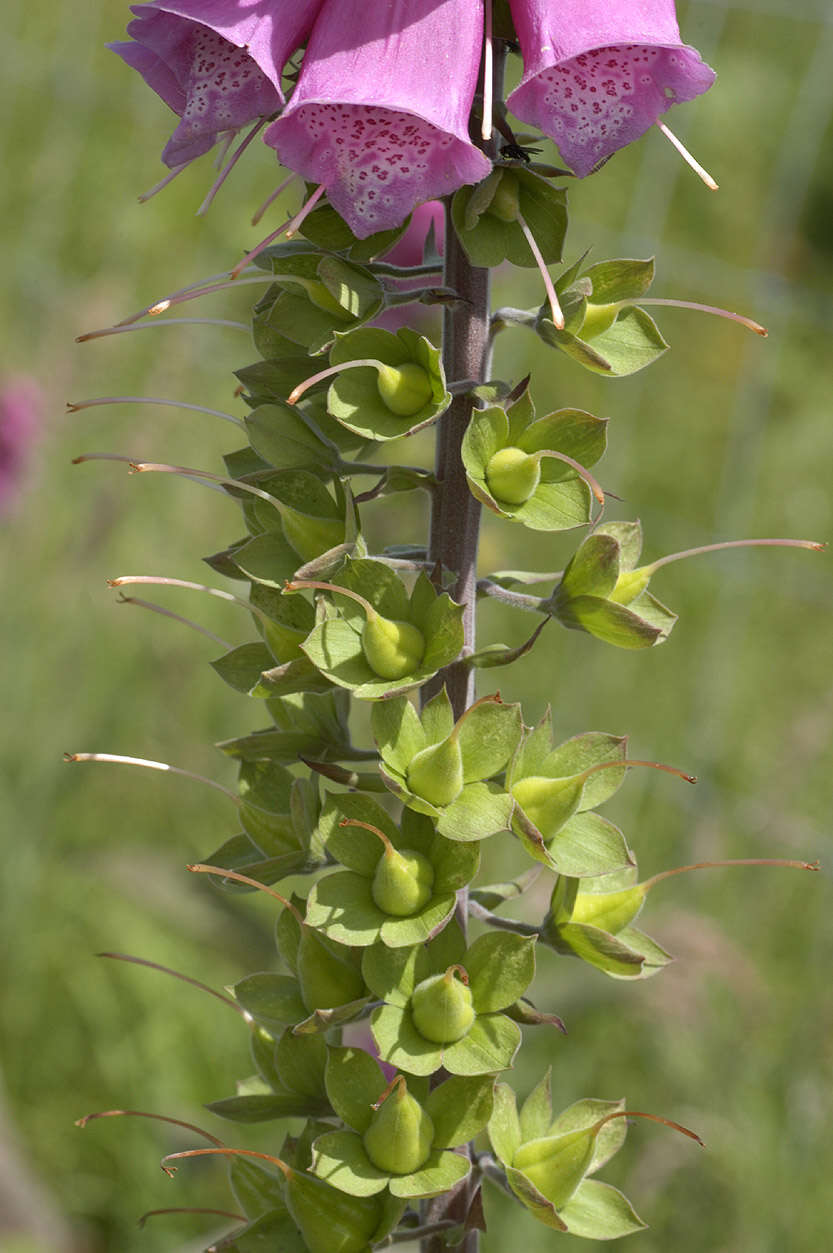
point(455, 514)
point(455, 528)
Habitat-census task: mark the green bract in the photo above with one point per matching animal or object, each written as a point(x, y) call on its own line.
point(603, 593)
point(605, 331)
point(548, 1161)
point(342, 905)
point(278, 814)
point(591, 919)
point(442, 769)
point(315, 295)
point(402, 1134)
point(289, 1082)
point(408, 392)
point(444, 1002)
point(325, 987)
point(299, 523)
point(486, 218)
point(545, 494)
point(341, 648)
point(555, 791)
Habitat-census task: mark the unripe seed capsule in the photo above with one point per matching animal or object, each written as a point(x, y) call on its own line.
point(441, 1006)
point(506, 205)
point(392, 648)
point(513, 475)
point(401, 1133)
point(436, 772)
point(405, 389)
point(402, 882)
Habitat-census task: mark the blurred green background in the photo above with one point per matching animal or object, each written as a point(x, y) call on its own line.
point(727, 436)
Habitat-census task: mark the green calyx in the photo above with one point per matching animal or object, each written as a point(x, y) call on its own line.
point(611, 911)
point(402, 882)
point(556, 1165)
point(598, 319)
point(513, 475)
point(405, 389)
point(630, 583)
point(401, 1133)
point(327, 973)
point(505, 204)
point(442, 1008)
point(541, 799)
point(392, 648)
point(330, 1221)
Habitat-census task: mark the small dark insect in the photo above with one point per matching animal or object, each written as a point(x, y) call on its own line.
point(515, 152)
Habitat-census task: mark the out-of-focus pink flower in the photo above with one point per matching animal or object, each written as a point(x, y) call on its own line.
point(216, 63)
point(358, 1035)
point(409, 249)
point(380, 112)
point(20, 412)
point(599, 73)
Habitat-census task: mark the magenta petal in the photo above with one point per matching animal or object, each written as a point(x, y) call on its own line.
point(269, 30)
point(599, 73)
point(380, 112)
point(216, 63)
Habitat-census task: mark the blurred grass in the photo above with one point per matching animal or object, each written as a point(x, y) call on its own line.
point(727, 435)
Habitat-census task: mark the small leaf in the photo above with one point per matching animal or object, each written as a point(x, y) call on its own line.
point(274, 1001)
point(354, 1084)
point(460, 1108)
point(489, 1045)
point(500, 967)
point(253, 1109)
point(481, 810)
point(242, 667)
point(599, 1211)
point(439, 1174)
point(504, 1125)
point(257, 1189)
point(623, 279)
point(340, 1160)
point(536, 1111)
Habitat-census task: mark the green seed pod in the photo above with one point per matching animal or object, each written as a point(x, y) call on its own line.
point(612, 911)
point(401, 1133)
point(557, 1164)
point(392, 648)
point(597, 319)
point(513, 475)
point(327, 973)
point(546, 802)
point(402, 882)
point(329, 1220)
point(506, 205)
point(441, 1007)
point(405, 388)
point(436, 772)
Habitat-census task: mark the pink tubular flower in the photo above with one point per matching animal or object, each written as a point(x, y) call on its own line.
point(216, 63)
point(380, 113)
point(599, 73)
